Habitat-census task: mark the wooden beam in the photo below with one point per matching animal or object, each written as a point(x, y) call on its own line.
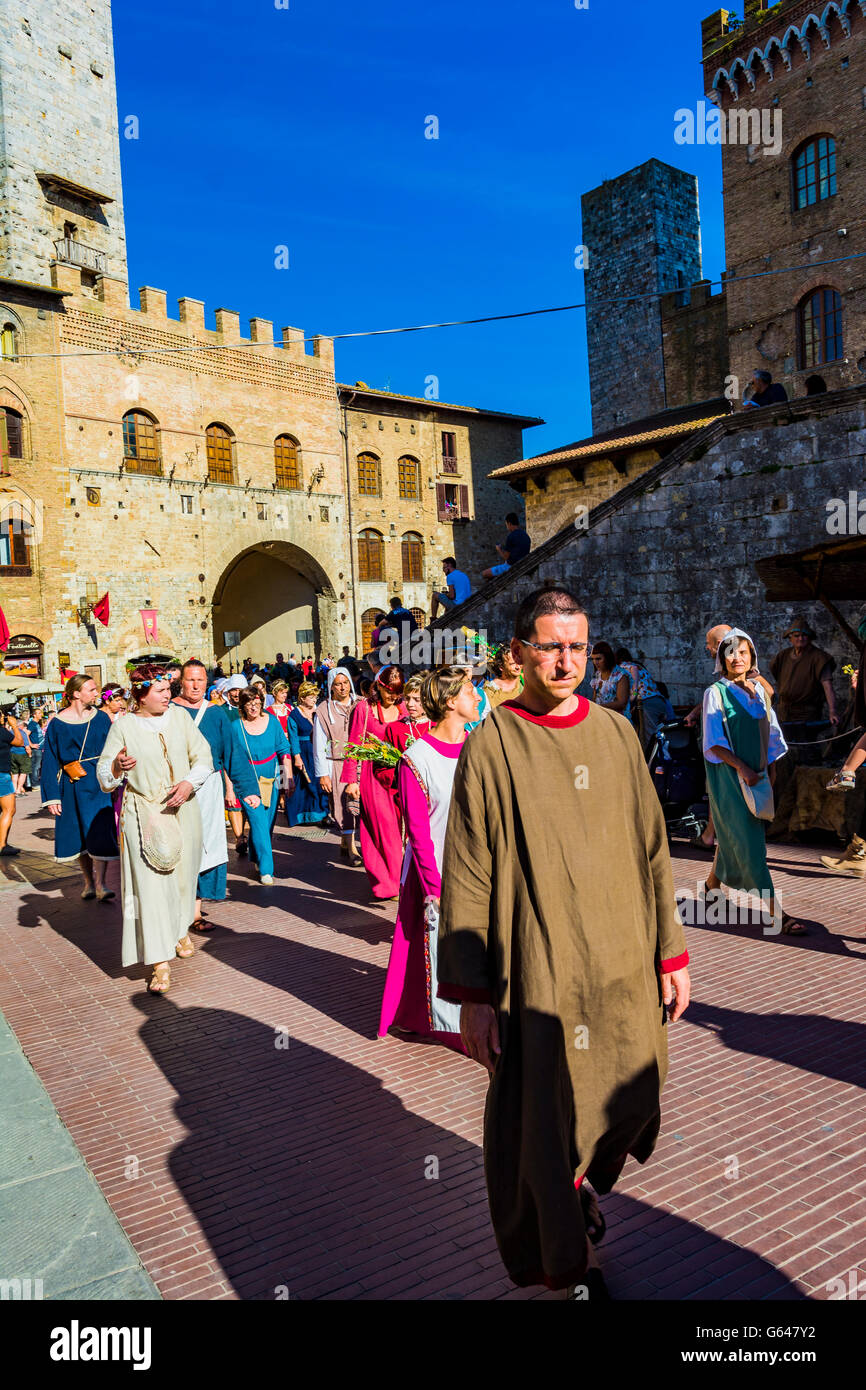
point(813, 585)
point(578, 472)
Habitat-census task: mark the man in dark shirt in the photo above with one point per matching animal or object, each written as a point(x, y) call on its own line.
point(765, 391)
point(515, 546)
point(281, 670)
point(352, 665)
point(804, 683)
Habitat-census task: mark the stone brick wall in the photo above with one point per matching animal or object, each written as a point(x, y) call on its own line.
point(671, 563)
point(58, 116)
point(817, 87)
point(639, 230)
point(552, 506)
point(695, 339)
point(391, 427)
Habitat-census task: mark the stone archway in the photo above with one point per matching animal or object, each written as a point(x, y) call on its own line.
point(268, 594)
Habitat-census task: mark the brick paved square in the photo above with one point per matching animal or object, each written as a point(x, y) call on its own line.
point(242, 1169)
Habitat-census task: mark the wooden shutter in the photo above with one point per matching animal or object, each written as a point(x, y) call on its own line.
point(412, 554)
point(4, 445)
point(441, 508)
point(463, 508)
point(14, 424)
point(363, 559)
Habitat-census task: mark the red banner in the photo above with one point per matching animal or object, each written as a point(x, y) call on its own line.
point(4, 632)
point(148, 617)
point(101, 610)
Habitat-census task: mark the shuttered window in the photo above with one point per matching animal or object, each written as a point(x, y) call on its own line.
point(287, 465)
point(409, 476)
point(412, 550)
point(371, 556)
point(14, 548)
point(220, 455)
point(368, 627)
point(140, 443)
point(369, 476)
point(820, 328)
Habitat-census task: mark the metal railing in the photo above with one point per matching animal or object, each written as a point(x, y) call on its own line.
point(449, 463)
point(76, 253)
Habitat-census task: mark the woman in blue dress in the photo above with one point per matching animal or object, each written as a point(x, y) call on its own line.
point(84, 824)
point(260, 759)
point(307, 804)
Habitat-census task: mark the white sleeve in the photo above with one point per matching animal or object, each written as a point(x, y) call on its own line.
point(110, 749)
point(321, 761)
point(713, 725)
point(777, 747)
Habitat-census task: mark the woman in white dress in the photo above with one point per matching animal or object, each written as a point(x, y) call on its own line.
point(162, 758)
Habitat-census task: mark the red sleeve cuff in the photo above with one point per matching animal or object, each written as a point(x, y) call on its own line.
point(674, 963)
point(462, 994)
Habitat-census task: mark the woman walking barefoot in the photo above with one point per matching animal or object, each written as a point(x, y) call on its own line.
point(84, 825)
point(164, 759)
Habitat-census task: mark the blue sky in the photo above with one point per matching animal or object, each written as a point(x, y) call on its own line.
point(304, 127)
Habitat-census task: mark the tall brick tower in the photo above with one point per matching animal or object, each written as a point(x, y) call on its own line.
point(60, 188)
point(642, 234)
point(796, 204)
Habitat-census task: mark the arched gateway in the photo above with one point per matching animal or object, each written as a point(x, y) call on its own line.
point(274, 597)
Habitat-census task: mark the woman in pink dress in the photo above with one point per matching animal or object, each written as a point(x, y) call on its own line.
point(425, 779)
point(405, 730)
point(381, 841)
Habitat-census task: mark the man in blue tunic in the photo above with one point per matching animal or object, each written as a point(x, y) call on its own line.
point(212, 722)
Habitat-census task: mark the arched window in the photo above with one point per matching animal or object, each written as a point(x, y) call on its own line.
point(368, 627)
point(287, 465)
point(819, 324)
point(141, 443)
point(371, 556)
point(9, 342)
point(220, 454)
point(412, 552)
point(14, 422)
point(409, 476)
point(369, 476)
point(814, 171)
point(15, 532)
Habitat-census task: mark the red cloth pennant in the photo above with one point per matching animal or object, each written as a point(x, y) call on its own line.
point(101, 610)
point(5, 634)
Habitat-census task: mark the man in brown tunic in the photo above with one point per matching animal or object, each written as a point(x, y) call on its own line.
point(560, 938)
point(803, 674)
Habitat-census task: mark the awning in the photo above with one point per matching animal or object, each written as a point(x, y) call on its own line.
point(835, 570)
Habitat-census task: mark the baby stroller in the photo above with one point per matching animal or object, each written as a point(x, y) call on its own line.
point(676, 765)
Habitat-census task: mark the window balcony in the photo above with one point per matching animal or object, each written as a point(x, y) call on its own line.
point(449, 463)
point(76, 253)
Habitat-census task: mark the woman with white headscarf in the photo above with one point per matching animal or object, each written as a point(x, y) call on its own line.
point(330, 736)
point(742, 739)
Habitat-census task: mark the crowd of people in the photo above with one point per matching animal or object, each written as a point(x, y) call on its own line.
point(440, 785)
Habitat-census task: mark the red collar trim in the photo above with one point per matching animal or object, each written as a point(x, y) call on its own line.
point(448, 750)
point(551, 721)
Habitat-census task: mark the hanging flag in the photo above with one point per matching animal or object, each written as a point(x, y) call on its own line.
point(148, 617)
point(101, 610)
point(4, 632)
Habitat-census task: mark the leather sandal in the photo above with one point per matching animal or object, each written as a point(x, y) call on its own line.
point(160, 980)
point(200, 924)
point(189, 949)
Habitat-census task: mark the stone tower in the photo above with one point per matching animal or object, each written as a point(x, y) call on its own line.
point(642, 235)
point(60, 187)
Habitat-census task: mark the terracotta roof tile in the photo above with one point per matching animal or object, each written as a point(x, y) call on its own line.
point(593, 448)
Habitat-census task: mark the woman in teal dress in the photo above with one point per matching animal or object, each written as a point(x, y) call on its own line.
point(259, 750)
point(742, 739)
point(308, 804)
